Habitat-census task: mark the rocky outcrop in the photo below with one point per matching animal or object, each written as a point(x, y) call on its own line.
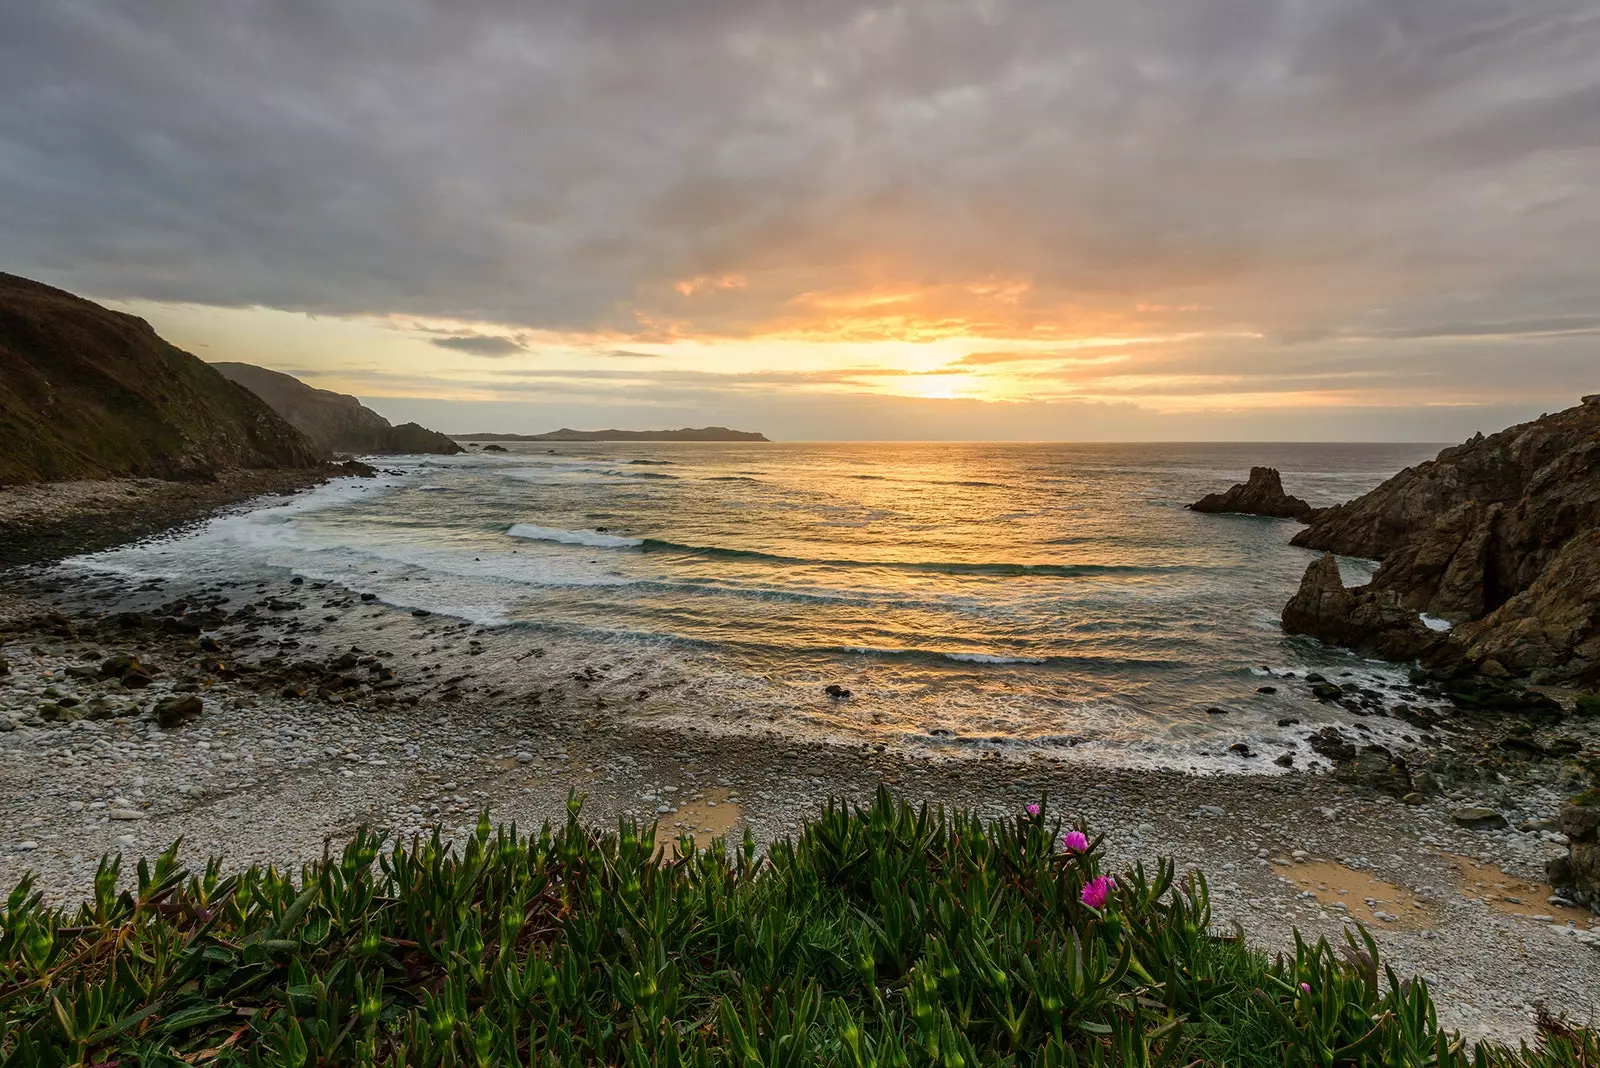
point(1499, 536)
point(1374, 622)
point(705, 433)
point(1261, 495)
point(1577, 875)
point(335, 422)
point(86, 393)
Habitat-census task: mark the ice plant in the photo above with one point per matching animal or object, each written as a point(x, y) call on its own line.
point(1076, 842)
point(1096, 891)
point(1033, 810)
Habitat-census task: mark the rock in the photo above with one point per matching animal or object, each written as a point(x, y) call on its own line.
point(177, 710)
point(1375, 768)
point(1499, 536)
point(5, 667)
point(1266, 689)
point(1577, 875)
point(495, 448)
point(836, 691)
point(117, 666)
point(1413, 798)
point(355, 468)
point(1288, 721)
point(1326, 691)
point(1480, 819)
point(1331, 743)
point(1587, 705)
point(1240, 749)
point(1215, 711)
point(1261, 495)
point(1371, 622)
point(1286, 760)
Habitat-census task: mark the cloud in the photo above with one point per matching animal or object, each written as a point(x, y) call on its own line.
point(1402, 182)
point(480, 344)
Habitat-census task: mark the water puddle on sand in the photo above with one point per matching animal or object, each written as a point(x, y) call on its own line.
point(712, 816)
point(1521, 898)
point(1362, 896)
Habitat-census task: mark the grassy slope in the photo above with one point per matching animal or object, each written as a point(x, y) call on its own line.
point(86, 392)
point(878, 937)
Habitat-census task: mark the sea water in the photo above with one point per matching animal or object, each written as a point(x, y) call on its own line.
point(1000, 594)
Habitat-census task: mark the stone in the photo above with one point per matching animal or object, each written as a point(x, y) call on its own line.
point(1331, 743)
point(1413, 798)
point(1480, 819)
point(1375, 623)
point(1266, 689)
point(1240, 749)
point(836, 691)
point(1577, 875)
point(1285, 760)
point(1586, 705)
point(5, 667)
point(179, 709)
point(1262, 494)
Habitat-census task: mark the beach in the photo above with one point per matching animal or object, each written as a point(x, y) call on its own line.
point(319, 711)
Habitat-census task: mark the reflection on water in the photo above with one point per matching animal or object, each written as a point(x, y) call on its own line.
point(1024, 591)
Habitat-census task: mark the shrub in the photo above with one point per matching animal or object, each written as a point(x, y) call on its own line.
point(879, 936)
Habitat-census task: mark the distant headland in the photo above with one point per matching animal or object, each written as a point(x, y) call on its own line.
point(706, 433)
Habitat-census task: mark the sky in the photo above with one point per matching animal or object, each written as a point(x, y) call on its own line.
point(986, 219)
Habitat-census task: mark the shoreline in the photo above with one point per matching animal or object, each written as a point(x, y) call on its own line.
point(467, 722)
point(49, 521)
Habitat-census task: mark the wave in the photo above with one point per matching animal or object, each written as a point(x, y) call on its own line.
point(602, 540)
point(870, 478)
point(963, 482)
point(640, 474)
point(593, 538)
point(664, 463)
point(732, 478)
point(995, 659)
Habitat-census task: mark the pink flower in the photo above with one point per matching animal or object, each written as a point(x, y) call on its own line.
point(1033, 810)
point(1096, 890)
point(1076, 841)
point(1306, 987)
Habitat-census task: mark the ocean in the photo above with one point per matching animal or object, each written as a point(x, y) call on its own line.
point(1056, 596)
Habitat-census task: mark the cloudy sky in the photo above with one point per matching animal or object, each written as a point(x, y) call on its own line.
point(1282, 219)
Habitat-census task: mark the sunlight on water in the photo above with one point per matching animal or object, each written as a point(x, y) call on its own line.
point(1011, 592)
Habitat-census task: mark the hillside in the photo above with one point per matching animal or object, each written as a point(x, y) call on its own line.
point(86, 392)
point(335, 422)
point(708, 433)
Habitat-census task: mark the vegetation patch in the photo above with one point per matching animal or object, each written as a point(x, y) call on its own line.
point(883, 935)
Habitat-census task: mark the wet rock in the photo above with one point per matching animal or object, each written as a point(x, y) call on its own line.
point(1331, 743)
point(1587, 705)
point(1375, 768)
point(1288, 721)
point(1240, 749)
point(1215, 711)
point(1480, 819)
point(497, 448)
point(1261, 495)
point(836, 691)
point(116, 667)
point(1326, 691)
point(5, 667)
point(1266, 689)
point(1286, 760)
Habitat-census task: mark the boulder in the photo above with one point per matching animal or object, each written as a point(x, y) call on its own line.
point(1262, 495)
point(1479, 819)
point(495, 448)
point(1577, 875)
point(1331, 743)
point(178, 709)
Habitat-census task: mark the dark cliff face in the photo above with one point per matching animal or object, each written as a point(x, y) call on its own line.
point(335, 422)
point(1500, 536)
point(86, 392)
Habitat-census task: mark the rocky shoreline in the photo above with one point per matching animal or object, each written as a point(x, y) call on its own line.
point(45, 521)
point(129, 718)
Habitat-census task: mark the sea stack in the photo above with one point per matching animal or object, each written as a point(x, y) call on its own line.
point(1262, 495)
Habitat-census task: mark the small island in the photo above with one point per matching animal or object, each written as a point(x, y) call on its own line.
point(708, 433)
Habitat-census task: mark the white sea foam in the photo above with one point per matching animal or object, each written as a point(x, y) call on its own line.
point(1433, 622)
point(593, 538)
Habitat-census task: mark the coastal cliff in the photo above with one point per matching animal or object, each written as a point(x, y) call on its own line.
point(86, 392)
point(335, 422)
point(1499, 538)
